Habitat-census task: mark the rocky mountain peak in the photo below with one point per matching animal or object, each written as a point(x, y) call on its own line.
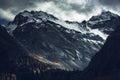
point(73, 44)
point(32, 16)
point(105, 15)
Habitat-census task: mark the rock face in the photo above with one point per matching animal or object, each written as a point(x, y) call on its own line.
point(106, 22)
point(105, 65)
point(71, 44)
point(16, 63)
point(37, 44)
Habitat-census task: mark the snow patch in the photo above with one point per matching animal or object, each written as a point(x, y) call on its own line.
point(92, 41)
point(27, 14)
point(11, 28)
point(69, 26)
point(98, 32)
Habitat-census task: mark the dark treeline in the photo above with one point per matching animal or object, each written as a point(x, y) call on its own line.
point(46, 75)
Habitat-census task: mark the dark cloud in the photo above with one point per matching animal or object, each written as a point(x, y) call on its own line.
point(13, 7)
point(111, 3)
point(17, 4)
point(80, 7)
point(22, 4)
point(83, 8)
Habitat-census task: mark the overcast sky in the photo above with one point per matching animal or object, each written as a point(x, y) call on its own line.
point(73, 10)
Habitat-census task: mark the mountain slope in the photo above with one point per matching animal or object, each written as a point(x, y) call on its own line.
point(105, 65)
point(71, 44)
point(16, 62)
point(105, 22)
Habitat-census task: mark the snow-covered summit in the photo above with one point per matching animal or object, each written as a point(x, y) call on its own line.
point(105, 15)
point(106, 22)
point(32, 16)
point(72, 43)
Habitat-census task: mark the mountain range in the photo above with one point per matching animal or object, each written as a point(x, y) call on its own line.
point(36, 42)
point(71, 44)
point(105, 65)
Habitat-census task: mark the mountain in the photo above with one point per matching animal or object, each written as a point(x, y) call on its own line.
point(105, 65)
point(71, 44)
point(37, 45)
point(105, 22)
point(18, 64)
